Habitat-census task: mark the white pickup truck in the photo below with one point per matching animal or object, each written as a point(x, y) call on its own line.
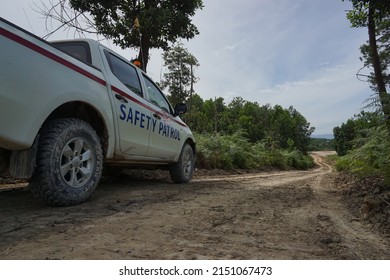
point(68, 108)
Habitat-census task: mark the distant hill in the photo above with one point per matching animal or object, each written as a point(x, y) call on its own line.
point(323, 136)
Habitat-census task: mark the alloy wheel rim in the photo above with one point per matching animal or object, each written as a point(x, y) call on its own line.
point(77, 162)
point(187, 165)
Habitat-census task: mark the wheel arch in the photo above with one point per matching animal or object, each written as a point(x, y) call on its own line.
point(192, 143)
point(87, 113)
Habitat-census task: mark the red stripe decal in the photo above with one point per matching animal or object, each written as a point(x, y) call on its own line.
point(50, 55)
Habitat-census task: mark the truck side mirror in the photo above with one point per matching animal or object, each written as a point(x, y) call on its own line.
point(180, 108)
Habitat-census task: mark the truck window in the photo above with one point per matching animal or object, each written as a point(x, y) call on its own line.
point(156, 96)
point(125, 73)
point(77, 49)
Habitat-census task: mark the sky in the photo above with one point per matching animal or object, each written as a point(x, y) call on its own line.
point(300, 53)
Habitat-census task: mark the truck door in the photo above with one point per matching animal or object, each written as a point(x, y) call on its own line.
point(134, 120)
point(165, 136)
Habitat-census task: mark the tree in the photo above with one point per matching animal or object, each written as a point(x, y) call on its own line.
point(197, 119)
point(142, 24)
point(288, 129)
point(301, 130)
point(180, 76)
point(375, 15)
point(347, 135)
point(344, 136)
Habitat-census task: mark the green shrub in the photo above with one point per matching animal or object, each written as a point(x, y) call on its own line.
point(216, 151)
point(370, 155)
point(298, 160)
point(278, 160)
point(343, 164)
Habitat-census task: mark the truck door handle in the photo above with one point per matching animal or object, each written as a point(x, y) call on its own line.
point(121, 98)
point(157, 116)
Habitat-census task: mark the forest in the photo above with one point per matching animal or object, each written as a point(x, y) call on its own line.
point(247, 135)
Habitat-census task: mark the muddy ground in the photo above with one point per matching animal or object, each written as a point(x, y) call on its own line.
point(275, 215)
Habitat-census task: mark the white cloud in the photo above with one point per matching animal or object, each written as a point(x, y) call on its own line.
point(326, 98)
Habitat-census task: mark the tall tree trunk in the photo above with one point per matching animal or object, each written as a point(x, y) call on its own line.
point(383, 96)
point(143, 54)
point(191, 88)
point(376, 63)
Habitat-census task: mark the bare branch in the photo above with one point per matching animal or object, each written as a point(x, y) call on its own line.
point(359, 75)
point(59, 11)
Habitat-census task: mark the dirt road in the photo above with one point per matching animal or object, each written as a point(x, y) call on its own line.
point(278, 215)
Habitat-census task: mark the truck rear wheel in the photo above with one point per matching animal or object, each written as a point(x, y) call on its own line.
point(69, 162)
point(182, 170)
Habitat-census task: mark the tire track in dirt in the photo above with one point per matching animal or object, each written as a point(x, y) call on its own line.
point(357, 239)
point(342, 234)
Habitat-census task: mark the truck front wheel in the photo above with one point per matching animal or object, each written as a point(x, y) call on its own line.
point(182, 170)
point(69, 162)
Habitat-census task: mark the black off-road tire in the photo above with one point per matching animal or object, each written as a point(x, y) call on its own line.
point(182, 171)
point(68, 164)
